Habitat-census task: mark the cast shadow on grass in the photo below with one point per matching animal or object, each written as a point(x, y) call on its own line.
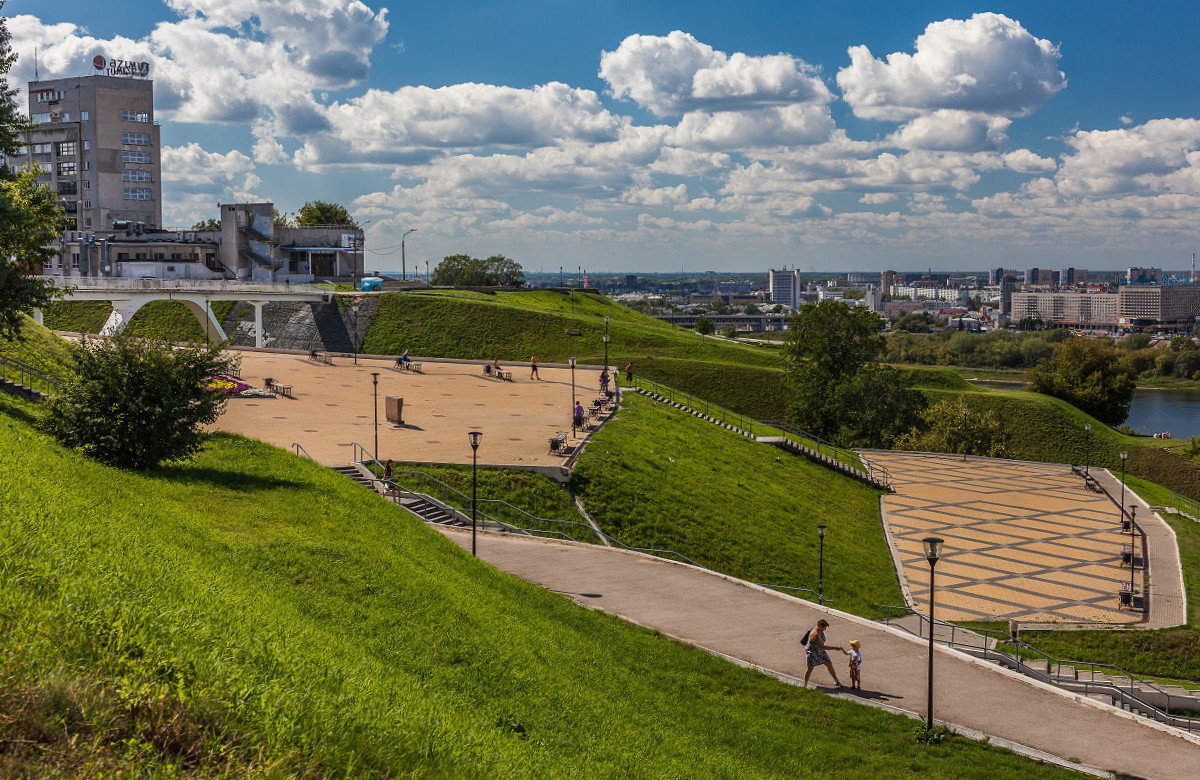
point(189, 474)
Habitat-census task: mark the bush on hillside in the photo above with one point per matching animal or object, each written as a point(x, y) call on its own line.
point(467, 271)
point(1090, 375)
point(875, 406)
point(953, 426)
point(137, 403)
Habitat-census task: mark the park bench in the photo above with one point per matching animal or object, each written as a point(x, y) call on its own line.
point(504, 374)
point(1092, 484)
point(408, 365)
point(320, 357)
point(558, 443)
point(278, 387)
point(1129, 556)
point(1126, 596)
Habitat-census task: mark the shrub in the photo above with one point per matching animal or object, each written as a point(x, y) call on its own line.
point(136, 403)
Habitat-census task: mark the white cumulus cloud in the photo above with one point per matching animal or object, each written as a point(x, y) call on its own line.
point(987, 64)
point(952, 130)
point(675, 73)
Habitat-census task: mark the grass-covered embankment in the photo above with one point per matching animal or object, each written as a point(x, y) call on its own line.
point(656, 477)
point(253, 614)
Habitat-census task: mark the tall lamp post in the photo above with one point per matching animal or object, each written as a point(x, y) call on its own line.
point(1087, 449)
point(606, 340)
point(574, 430)
point(821, 563)
point(375, 384)
point(933, 551)
point(403, 263)
point(474, 437)
point(1124, 456)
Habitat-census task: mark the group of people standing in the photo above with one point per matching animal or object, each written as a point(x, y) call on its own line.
point(817, 654)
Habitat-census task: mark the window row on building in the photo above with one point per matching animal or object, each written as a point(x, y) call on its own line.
point(135, 139)
point(139, 193)
point(45, 118)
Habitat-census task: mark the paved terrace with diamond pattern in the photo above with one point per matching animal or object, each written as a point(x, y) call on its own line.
point(333, 406)
point(1024, 541)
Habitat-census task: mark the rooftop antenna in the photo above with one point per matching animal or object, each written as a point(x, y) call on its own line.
point(1193, 277)
point(37, 76)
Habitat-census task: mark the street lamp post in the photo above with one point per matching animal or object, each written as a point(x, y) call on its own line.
point(821, 563)
point(574, 430)
point(933, 551)
point(375, 384)
point(1132, 550)
point(1124, 456)
point(403, 259)
point(474, 437)
point(1087, 449)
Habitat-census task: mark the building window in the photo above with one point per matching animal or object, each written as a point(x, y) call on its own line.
point(43, 168)
point(70, 207)
point(40, 119)
point(87, 145)
point(66, 116)
point(40, 148)
point(66, 148)
point(87, 204)
point(139, 193)
point(67, 168)
point(128, 115)
point(135, 156)
point(83, 117)
point(47, 96)
point(135, 174)
point(87, 184)
point(135, 139)
point(67, 188)
point(87, 165)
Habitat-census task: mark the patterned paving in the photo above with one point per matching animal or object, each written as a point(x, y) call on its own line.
point(1024, 541)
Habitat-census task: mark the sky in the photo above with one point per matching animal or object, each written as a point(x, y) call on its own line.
point(635, 136)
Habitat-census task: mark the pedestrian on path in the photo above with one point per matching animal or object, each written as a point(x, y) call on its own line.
point(580, 415)
point(629, 373)
point(856, 664)
point(533, 374)
point(816, 650)
point(604, 381)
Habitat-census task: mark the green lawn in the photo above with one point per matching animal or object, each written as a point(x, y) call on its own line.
point(253, 614)
point(77, 316)
point(39, 348)
point(656, 477)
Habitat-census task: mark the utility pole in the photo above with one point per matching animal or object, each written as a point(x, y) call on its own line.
point(403, 259)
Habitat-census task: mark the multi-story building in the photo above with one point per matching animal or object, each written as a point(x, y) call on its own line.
point(783, 286)
point(1170, 307)
point(97, 144)
point(922, 292)
point(1042, 277)
point(1068, 307)
point(1137, 275)
point(889, 279)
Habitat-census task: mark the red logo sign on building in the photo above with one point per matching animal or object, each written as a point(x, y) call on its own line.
point(99, 63)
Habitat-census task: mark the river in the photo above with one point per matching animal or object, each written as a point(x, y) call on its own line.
point(1177, 411)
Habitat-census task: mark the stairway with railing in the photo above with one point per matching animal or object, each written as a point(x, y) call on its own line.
point(775, 432)
point(22, 379)
point(1170, 704)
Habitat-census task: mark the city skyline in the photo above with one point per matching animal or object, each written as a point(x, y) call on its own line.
point(631, 139)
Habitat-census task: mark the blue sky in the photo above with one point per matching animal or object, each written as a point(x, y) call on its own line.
point(709, 136)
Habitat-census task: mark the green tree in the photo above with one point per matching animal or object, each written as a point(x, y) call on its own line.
point(136, 403)
point(1088, 374)
point(11, 119)
point(916, 322)
point(829, 342)
point(751, 309)
point(705, 326)
point(282, 219)
point(209, 225)
point(1135, 341)
point(729, 332)
point(467, 271)
point(320, 212)
point(30, 221)
point(953, 426)
point(876, 406)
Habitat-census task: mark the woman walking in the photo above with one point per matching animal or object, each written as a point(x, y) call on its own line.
point(816, 651)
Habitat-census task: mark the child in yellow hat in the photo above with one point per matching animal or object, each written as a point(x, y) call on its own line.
point(855, 664)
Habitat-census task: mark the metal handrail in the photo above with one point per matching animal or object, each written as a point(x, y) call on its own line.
point(29, 376)
point(1126, 692)
point(301, 451)
point(849, 457)
point(822, 600)
point(741, 422)
point(199, 285)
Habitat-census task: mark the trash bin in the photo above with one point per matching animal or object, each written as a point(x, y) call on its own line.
point(395, 409)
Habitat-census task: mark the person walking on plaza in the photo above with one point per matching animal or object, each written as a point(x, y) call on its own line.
point(817, 651)
point(533, 374)
point(604, 381)
point(629, 373)
point(388, 470)
point(580, 416)
point(856, 664)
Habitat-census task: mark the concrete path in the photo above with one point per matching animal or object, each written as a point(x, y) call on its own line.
point(763, 628)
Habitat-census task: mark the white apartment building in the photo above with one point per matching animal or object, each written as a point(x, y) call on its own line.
point(1072, 308)
point(783, 286)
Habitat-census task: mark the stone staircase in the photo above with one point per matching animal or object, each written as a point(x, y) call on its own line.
point(424, 507)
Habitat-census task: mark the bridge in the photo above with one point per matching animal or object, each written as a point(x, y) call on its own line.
point(129, 295)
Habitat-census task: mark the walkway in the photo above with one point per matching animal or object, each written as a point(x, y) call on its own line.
point(1024, 541)
point(763, 628)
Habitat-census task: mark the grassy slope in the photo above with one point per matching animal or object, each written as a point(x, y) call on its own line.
point(253, 613)
point(159, 319)
point(77, 316)
point(37, 347)
point(656, 477)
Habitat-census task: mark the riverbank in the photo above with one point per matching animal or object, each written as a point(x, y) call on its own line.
point(1016, 376)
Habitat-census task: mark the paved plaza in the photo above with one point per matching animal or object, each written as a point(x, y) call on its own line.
point(333, 406)
point(1024, 541)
